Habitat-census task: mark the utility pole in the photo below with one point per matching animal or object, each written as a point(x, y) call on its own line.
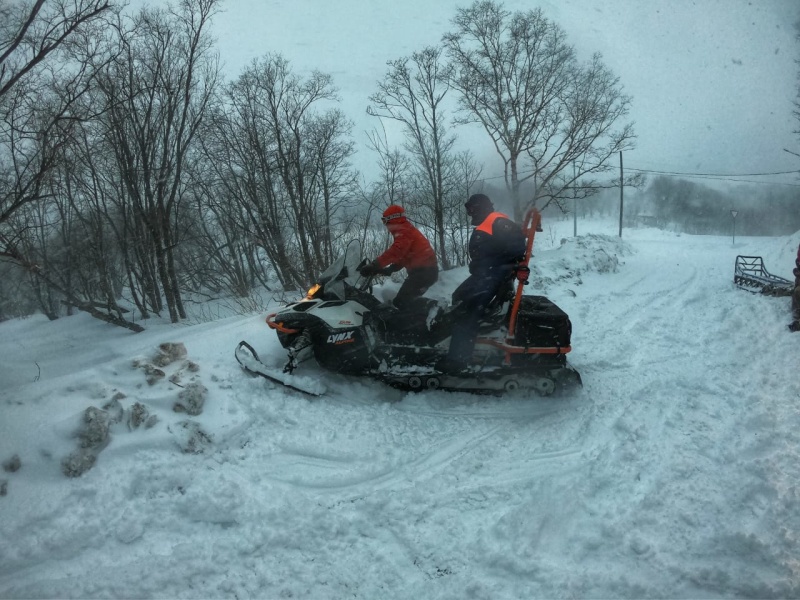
point(574, 204)
point(620, 193)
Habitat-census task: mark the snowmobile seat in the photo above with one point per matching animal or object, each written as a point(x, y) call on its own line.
point(495, 312)
point(410, 324)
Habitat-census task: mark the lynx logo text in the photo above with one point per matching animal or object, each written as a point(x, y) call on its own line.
point(341, 338)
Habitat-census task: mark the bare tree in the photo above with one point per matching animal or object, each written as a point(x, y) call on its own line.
point(392, 185)
point(49, 55)
point(330, 148)
point(155, 95)
point(413, 93)
point(283, 164)
point(244, 196)
point(44, 72)
point(394, 170)
point(519, 78)
point(296, 131)
point(228, 209)
point(796, 111)
point(32, 32)
point(92, 264)
point(458, 225)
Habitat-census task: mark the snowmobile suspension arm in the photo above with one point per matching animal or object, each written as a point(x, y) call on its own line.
point(509, 348)
point(279, 326)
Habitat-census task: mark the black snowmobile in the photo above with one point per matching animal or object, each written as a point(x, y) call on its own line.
point(522, 343)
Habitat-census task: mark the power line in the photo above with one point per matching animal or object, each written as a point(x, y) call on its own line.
point(714, 174)
point(728, 177)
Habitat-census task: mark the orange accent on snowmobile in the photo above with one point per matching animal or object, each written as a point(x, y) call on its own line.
point(509, 348)
point(279, 326)
point(530, 225)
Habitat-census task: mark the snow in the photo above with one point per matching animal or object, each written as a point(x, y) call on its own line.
point(672, 473)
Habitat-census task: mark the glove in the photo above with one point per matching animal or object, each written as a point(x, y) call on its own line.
point(389, 269)
point(370, 269)
point(522, 272)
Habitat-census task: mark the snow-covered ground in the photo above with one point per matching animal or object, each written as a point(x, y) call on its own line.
point(672, 473)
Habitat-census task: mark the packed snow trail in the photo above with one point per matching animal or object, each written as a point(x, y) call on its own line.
point(671, 473)
point(702, 365)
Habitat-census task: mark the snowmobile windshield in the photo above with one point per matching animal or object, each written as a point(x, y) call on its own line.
point(342, 270)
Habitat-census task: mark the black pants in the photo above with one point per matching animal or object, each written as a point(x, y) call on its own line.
point(472, 298)
point(416, 284)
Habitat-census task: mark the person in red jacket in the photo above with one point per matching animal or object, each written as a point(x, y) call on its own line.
point(795, 324)
point(410, 250)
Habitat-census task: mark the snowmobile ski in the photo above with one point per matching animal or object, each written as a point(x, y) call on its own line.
point(248, 359)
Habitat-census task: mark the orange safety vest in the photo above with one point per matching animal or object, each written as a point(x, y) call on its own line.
point(488, 222)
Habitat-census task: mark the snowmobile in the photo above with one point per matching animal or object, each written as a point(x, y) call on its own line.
point(522, 342)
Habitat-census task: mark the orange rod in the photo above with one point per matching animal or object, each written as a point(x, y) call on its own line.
point(531, 224)
point(511, 349)
point(279, 326)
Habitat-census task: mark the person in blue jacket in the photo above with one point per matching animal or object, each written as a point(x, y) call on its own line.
point(496, 247)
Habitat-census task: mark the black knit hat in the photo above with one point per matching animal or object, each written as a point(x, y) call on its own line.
point(480, 202)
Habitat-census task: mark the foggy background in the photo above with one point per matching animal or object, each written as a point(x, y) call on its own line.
point(142, 166)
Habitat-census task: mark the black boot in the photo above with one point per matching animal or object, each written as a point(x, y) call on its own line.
point(794, 326)
point(450, 366)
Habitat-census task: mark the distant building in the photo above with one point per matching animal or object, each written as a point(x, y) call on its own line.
point(646, 220)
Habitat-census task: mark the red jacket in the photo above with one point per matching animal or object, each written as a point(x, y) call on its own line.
point(410, 248)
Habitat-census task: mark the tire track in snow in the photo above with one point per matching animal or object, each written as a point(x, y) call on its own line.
point(358, 483)
point(527, 468)
point(350, 479)
point(440, 404)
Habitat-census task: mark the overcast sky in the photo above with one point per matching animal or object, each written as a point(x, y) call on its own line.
point(712, 81)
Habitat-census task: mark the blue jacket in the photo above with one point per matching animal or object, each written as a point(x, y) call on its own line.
point(495, 246)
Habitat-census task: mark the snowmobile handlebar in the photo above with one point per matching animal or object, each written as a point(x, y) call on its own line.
point(369, 269)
